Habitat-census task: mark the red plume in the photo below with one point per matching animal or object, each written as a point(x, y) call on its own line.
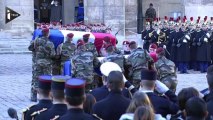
point(165, 17)
point(198, 17)
point(191, 18)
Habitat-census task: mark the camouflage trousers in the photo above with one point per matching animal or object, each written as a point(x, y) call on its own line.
point(136, 78)
point(56, 67)
point(136, 83)
point(170, 81)
point(34, 84)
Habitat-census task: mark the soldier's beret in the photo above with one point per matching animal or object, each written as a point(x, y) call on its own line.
point(132, 43)
point(86, 36)
point(75, 87)
point(154, 46)
point(45, 30)
point(148, 75)
point(45, 82)
point(108, 67)
point(160, 50)
point(125, 42)
point(58, 82)
point(80, 43)
point(70, 35)
point(107, 39)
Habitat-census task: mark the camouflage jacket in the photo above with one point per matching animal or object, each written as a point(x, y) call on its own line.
point(83, 63)
point(150, 13)
point(137, 60)
point(165, 68)
point(91, 48)
point(116, 58)
point(67, 50)
point(44, 48)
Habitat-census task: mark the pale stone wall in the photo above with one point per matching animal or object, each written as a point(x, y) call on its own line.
point(110, 12)
point(24, 23)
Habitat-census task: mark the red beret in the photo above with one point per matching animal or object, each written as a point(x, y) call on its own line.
point(45, 30)
point(107, 39)
point(70, 35)
point(154, 46)
point(159, 50)
point(80, 43)
point(125, 42)
point(86, 36)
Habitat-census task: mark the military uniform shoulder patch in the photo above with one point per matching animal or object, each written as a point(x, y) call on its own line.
point(55, 118)
point(38, 112)
point(28, 108)
point(96, 117)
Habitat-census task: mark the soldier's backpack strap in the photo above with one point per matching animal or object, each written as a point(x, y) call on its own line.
point(96, 117)
point(33, 115)
point(24, 111)
point(55, 118)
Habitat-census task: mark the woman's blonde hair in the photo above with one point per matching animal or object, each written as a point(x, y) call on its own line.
point(144, 113)
point(139, 99)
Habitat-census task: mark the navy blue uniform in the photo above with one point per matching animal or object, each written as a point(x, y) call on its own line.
point(162, 105)
point(146, 38)
point(56, 110)
point(102, 92)
point(174, 37)
point(112, 107)
point(42, 104)
point(209, 100)
point(76, 114)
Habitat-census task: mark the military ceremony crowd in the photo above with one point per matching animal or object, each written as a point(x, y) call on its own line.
point(130, 84)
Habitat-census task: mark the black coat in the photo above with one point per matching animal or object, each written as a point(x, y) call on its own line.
point(42, 104)
point(174, 37)
point(112, 107)
point(55, 110)
point(209, 101)
point(204, 50)
point(183, 51)
point(162, 105)
point(193, 46)
point(76, 114)
point(102, 92)
point(146, 38)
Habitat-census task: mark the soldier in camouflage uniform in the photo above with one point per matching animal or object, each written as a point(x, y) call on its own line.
point(114, 57)
point(33, 91)
point(150, 13)
point(166, 70)
point(89, 46)
point(83, 63)
point(138, 59)
point(66, 51)
point(45, 52)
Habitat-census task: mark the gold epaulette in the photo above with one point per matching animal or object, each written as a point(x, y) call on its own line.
point(55, 118)
point(28, 108)
point(95, 116)
point(38, 112)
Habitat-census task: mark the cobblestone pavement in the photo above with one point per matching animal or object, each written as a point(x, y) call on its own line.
point(15, 78)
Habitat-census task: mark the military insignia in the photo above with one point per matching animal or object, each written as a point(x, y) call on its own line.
point(55, 118)
point(33, 115)
point(26, 109)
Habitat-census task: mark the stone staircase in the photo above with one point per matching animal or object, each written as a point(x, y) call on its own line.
point(13, 42)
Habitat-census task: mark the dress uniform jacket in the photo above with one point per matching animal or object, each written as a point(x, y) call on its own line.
point(183, 51)
point(203, 51)
point(209, 100)
point(42, 104)
point(77, 114)
point(57, 110)
point(112, 107)
point(147, 39)
point(102, 92)
point(162, 105)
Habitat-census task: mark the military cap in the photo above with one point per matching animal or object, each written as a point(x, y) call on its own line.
point(58, 82)
point(75, 87)
point(132, 43)
point(45, 82)
point(70, 35)
point(154, 46)
point(80, 43)
point(148, 75)
point(86, 36)
point(147, 21)
point(107, 39)
point(108, 67)
point(125, 42)
point(159, 50)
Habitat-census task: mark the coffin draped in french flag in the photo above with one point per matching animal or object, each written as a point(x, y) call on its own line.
point(59, 36)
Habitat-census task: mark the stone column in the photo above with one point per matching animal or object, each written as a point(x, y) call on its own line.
point(68, 11)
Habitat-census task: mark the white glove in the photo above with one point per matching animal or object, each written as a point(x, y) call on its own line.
point(160, 87)
point(208, 35)
point(205, 40)
point(52, 2)
point(124, 79)
point(185, 41)
point(158, 31)
point(164, 46)
point(187, 37)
